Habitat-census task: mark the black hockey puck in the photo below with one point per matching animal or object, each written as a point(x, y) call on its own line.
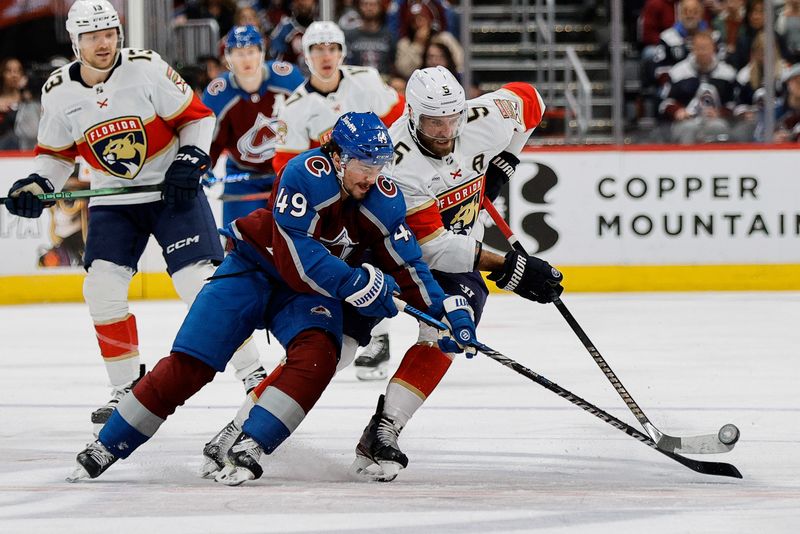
point(729, 434)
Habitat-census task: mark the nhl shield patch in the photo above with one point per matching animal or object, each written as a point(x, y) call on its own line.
point(120, 145)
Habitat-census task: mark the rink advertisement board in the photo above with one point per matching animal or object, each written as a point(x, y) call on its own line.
point(658, 218)
point(662, 218)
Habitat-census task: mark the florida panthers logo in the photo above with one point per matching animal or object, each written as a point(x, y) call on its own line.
point(459, 206)
point(119, 145)
point(257, 145)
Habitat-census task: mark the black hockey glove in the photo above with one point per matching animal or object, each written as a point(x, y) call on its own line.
point(499, 172)
point(529, 277)
point(182, 180)
point(23, 201)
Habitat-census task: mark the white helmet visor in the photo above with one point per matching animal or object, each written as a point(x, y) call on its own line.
point(441, 128)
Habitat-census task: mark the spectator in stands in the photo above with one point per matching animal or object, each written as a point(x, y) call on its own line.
point(729, 24)
point(787, 112)
point(371, 44)
point(700, 95)
point(272, 12)
point(422, 32)
point(754, 18)
point(750, 85)
point(212, 66)
point(657, 16)
point(220, 10)
point(788, 29)
point(675, 42)
point(402, 13)
point(286, 39)
point(12, 83)
point(350, 19)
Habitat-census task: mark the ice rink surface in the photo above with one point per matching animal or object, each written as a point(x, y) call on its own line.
point(490, 451)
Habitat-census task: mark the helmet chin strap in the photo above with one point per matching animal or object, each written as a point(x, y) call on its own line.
point(325, 79)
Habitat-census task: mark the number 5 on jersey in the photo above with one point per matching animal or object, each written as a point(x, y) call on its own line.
point(299, 203)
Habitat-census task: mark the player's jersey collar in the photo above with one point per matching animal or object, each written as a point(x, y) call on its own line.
point(75, 72)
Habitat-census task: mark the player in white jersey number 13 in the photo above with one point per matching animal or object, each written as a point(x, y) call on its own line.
point(134, 121)
point(448, 154)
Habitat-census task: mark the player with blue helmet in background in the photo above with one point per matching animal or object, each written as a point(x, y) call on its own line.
point(245, 101)
point(295, 269)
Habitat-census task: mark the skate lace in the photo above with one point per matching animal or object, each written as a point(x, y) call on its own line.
point(99, 454)
point(387, 432)
point(254, 378)
point(249, 447)
point(375, 347)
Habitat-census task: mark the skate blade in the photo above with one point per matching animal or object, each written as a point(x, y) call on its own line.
point(373, 373)
point(363, 468)
point(209, 469)
point(233, 476)
point(79, 473)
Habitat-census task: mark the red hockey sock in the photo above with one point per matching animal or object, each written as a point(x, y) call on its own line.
point(310, 365)
point(422, 368)
point(118, 340)
point(171, 382)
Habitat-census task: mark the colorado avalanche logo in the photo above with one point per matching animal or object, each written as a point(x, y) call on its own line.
point(257, 145)
point(119, 145)
point(386, 186)
point(342, 240)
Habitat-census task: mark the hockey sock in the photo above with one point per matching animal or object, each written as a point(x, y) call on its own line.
point(422, 368)
point(119, 346)
point(155, 397)
point(310, 365)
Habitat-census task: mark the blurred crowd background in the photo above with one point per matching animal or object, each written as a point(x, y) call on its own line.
point(693, 71)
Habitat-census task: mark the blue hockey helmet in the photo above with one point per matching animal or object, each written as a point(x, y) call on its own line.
point(242, 36)
point(364, 137)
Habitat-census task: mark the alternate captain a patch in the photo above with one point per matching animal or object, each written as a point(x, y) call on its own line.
point(120, 145)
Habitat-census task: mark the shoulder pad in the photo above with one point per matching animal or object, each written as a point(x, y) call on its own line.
point(386, 202)
point(313, 173)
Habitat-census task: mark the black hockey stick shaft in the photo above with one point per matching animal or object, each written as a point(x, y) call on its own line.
point(706, 468)
point(711, 443)
point(89, 193)
point(572, 322)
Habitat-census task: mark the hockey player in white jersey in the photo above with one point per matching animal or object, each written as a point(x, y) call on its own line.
point(448, 154)
point(135, 121)
point(332, 90)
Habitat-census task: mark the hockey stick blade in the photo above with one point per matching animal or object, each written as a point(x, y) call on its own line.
point(699, 466)
point(208, 181)
point(722, 441)
point(89, 193)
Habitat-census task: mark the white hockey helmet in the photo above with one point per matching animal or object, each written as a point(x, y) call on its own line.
point(435, 92)
point(321, 32)
point(92, 15)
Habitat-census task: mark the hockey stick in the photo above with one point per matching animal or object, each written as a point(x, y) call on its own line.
point(89, 193)
point(706, 468)
point(723, 441)
point(208, 181)
point(244, 198)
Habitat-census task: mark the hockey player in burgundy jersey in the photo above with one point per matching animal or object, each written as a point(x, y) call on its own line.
point(334, 89)
point(245, 101)
point(292, 269)
point(135, 122)
point(447, 153)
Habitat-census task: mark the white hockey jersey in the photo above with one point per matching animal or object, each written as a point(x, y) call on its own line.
point(443, 195)
point(126, 128)
point(308, 114)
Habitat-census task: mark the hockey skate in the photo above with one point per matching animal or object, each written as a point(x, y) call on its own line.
point(92, 462)
point(373, 362)
point(216, 451)
point(101, 415)
point(242, 462)
point(378, 456)
point(253, 379)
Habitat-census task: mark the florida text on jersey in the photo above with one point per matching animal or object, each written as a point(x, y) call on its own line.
point(126, 128)
point(443, 195)
point(246, 124)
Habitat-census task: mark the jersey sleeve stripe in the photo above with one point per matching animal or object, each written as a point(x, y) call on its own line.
point(426, 224)
point(66, 153)
point(532, 104)
point(421, 207)
point(193, 110)
point(395, 112)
